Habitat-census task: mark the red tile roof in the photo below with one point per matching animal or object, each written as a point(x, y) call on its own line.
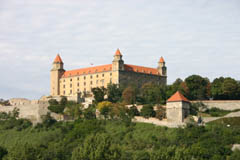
point(140, 69)
point(118, 53)
point(177, 97)
point(58, 59)
point(89, 70)
point(161, 60)
point(108, 67)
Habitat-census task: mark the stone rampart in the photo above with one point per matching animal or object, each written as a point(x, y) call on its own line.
point(221, 104)
point(32, 111)
point(158, 122)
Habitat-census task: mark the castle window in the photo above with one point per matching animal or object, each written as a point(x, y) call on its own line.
point(71, 79)
point(70, 85)
point(64, 86)
point(84, 83)
point(102, 75)
point(91, 76)
point(70, 91)
point(91, 82)
point(64, 80)
point(78, 90)
point(84, 77)
point(63, 92)
point(96, 81)
point(110, 74)
point(97, 75)
point(78, 78)
point(78, 84)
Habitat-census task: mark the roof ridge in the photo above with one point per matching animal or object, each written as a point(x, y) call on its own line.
point(177, 97)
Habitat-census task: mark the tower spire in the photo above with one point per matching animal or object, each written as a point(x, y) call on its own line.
point(58, 59)
point(118, 53)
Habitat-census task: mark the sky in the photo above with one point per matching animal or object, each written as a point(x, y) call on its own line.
point(194, 37)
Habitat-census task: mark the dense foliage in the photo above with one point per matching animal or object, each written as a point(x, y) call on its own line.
point(111, 139)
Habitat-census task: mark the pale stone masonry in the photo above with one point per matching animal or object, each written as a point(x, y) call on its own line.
point(177, 108)
point(75, 82)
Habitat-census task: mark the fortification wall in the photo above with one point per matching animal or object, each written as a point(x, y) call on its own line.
point(221, 104)
point(126, 78)
point(32, 111)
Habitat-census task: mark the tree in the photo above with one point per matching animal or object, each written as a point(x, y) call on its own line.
point(74, 110)
point(99, 94)
point(153, 94)
point(133, 111)
point(105, 108)
point(230, 88)
point(53, 102)
point(129, 95)
point(114, 93)
point(3, 152)
point(198, 87)
point(147, 111)
point(225, 89)
point(97, 147)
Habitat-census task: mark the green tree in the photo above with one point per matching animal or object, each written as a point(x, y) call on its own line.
point(3, 152)
point(99, 94)
point(225, 89)
point(105, 108)
point(198, 87)
point(147, 111)
point(97, 147)
point(129, 95)
point(114, 93)
point(153, 94)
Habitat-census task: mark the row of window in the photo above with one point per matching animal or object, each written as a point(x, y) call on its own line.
point(70, 92)
point(91, 82)
point(91, 76)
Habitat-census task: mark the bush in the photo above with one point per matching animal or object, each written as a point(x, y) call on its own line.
point(53, 102)
point(160, 113)
point(105, 108)
point(56, 108)
point(147, 111)
point(133, 111)
point(3, 152)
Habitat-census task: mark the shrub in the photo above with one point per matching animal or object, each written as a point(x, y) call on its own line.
point(53, 102)
point(147, 111)
point(56, 108)
point(160, 113)
point(3, 152)
point(104, 108)
point(133, 111)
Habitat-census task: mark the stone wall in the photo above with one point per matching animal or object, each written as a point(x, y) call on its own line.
point(221, 104)
point(32, 111)
point(126, 78)
point(158, 122)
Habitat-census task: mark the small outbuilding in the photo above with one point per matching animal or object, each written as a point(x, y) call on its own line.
point(178, 108)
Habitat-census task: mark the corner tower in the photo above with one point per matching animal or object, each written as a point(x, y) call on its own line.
point(117, 66)
point(117, 63)
point(178, 108)
point(162, 69)
point(56, 73)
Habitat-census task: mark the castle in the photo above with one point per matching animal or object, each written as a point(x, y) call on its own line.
point(74, 82)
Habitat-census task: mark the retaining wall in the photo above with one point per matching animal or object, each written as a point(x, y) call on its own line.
point(221, 104)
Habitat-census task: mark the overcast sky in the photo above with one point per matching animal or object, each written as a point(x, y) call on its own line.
point(194, 37)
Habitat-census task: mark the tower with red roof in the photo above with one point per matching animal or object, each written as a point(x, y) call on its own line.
point(162, 69)
point(56, 73)
point(177, 108)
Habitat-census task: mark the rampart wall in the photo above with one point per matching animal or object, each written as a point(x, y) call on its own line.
point(221, 104)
